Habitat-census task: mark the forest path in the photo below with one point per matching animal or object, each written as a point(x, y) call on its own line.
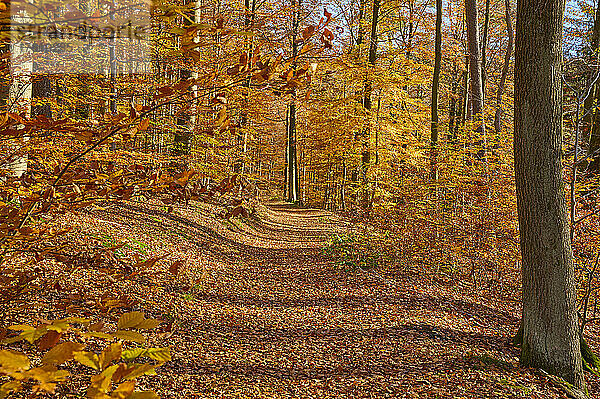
point(261, 313)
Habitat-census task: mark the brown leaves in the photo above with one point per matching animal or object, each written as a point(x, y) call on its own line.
point(237, 211)
point(49, 340)
point(176, 266)
point(327, 38)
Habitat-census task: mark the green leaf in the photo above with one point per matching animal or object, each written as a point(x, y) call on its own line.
point(131, 354)
point(160, 354)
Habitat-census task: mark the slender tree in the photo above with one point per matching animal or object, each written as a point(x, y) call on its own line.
point(550, 335)
point(367, 103)
point(435, 90)
point(591, 117)
point(292, 155)
point(507, 57)
point(474, 61)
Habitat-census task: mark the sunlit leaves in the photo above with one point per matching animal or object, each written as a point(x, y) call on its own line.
point(13, 361)
point(61, 353)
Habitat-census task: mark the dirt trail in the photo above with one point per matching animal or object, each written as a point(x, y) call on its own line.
point(272, 318)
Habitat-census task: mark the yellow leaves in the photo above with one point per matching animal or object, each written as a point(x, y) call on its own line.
point(124, 390)
point(143, 125)
point(221, 117)
point(13, 361)
point(29, 334)
point(130, 320)
point(61, 353)
point(11, 386)
point(129, 336)
point(133, 371)
point(101, 383)
point(89, 359)
point(109, 354)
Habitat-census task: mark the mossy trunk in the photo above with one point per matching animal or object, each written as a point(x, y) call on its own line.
point(590, 360)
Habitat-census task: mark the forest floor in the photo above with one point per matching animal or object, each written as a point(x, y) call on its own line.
point(259, 312)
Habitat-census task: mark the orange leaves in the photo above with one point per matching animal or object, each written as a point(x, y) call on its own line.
point(308, 32)
point(327, 38)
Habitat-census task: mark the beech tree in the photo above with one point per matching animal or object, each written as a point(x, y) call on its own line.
point(550, 334)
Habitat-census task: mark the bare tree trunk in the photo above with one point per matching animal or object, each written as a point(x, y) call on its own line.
point(474, 61)
point(594, 57)
point(591, 115)
point(435, 90)
point(550, 339)
point(367, 103)
point(484, 44)
point(292, 167)
point(505, 68)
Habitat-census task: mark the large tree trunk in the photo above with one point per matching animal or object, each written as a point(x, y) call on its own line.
point(550, 334)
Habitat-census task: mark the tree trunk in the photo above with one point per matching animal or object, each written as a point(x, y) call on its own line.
point(474, 62)
point(505, 68)
point(435, 90)
point(484, 43)
point(292, 167)
point(550, 334)
point(591, 117)
point(593, 55)
point(367, 103)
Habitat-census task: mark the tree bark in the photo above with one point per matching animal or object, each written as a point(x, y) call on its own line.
point(550, 334)
point(484, 44)
point(292, 165)
point(505, 68)
point(591, 117)
point(368, 105)
point(474, 61)
point(435, 90)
